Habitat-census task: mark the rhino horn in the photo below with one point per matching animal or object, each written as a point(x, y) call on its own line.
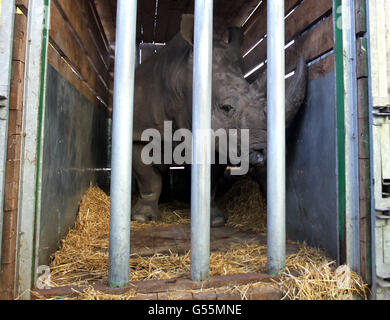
point(296, 90)
point(259, 87)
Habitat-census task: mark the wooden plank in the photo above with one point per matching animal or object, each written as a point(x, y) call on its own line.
point(17, 85)
point(309, 12)
point(387, 18)
point(312, 44)
point(236, 17)
point(361, 21)
point(22, 5)
point(147, 15)
point(222, 15)
point(97, 58)
point(256, 28)
point(63, 68)
point(162, 21)
point(156, 286)
point(362, 99)
point(19, 44)
point(321, 68)
point(12, 170)
point(245, 10)
point(174, 24)
point(304, 16)
point(94, 28)
point(63, 39)
point(176, 9)
point(139, 19)
point(364, 139)
point(98, 23)
point(361, 58)
point(108, 18)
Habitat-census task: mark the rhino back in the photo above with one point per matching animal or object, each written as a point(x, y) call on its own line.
point(162, 89)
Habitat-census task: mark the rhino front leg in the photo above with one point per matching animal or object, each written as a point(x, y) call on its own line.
point(149, 183)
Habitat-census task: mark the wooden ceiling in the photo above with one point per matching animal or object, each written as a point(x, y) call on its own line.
point(161, 27)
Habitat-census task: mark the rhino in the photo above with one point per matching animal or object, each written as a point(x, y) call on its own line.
point(163, 92)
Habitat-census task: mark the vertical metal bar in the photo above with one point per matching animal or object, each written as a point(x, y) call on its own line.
point(122, 141)
point(201, 129)
point(33, 117)
point(378, 97)
point(351, 137)
point(276, 162)
point(7, 17)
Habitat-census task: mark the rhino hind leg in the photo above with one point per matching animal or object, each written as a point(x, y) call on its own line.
point(218, 217)
point(149, 183)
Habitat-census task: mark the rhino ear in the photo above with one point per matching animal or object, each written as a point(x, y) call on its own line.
point(187, 28)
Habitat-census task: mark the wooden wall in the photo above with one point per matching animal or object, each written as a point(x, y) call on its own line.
point(77, 100)
point(310, 25)
point(78, 48)
point(387, 4)
point(311, 166)
point(364, 144)
point(8, 253)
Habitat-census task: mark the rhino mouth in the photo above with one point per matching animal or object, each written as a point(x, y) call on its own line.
point(256, 157)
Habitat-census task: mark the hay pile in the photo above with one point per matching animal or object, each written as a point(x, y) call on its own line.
point(83, 255)
point(310, 275)
point(245, 206)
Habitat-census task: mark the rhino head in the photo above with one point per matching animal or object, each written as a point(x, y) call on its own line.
point(237, 104)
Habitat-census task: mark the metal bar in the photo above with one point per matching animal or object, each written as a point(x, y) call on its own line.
point(201, 129)
point(276, 144)
point(352, 226)
point(122, 137)
point(7, 18)
point(33, 112)
point(339, 70)
point(378, 97)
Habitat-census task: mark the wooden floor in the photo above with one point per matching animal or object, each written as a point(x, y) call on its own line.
point(176, 239)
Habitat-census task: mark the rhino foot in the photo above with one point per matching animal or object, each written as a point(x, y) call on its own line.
point(218, 217)
point(144, 212)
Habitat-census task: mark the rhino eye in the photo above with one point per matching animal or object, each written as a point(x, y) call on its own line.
point(226, 107)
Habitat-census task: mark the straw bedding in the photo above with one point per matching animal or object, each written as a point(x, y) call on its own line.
point(82, 258)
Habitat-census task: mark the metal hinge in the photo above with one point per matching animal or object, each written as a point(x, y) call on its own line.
point(383, 280)
point(381, 110)
point(382, 212)
point(3, 100)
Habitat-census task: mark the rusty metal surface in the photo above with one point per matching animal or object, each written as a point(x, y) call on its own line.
point(75, 144)
point(311, 170)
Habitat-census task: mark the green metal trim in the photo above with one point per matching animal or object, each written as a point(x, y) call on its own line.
point(338, 36)
point(45, 40)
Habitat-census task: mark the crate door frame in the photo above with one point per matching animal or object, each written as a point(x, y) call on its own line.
point(30, 178)
point(7, 11)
